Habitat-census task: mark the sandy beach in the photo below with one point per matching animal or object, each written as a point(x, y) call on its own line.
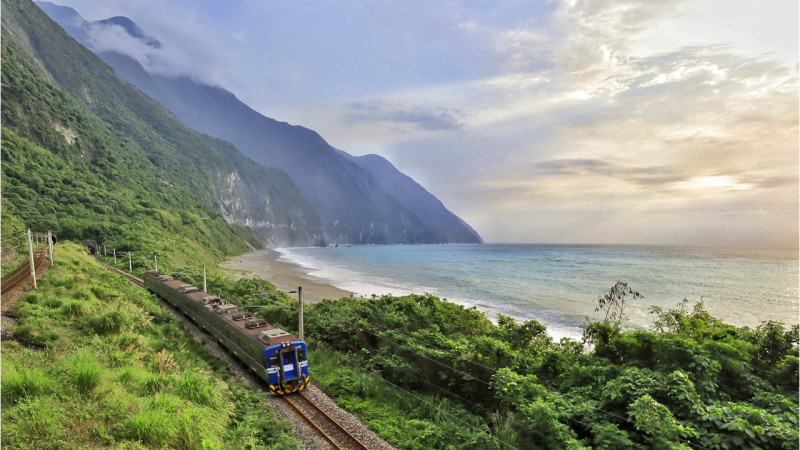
point(264, 264)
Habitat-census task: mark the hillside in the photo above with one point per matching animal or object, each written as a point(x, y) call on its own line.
point(95, 362)
point(126, 166)
point(353, 202)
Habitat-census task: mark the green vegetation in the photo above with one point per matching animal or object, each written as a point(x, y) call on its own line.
point(88, 156)
point(429, 374)
point(425, 373)
point(97, 362)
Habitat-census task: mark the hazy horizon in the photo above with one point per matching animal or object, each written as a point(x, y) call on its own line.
point(621, 123)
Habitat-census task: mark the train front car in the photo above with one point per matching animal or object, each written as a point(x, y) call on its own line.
point(287, 367)
point(274, 355)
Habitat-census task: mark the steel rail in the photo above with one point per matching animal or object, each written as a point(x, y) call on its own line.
point(10, 282)
point(321, 421)
point(130, 277)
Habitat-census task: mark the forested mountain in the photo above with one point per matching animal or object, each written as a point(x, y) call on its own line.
point(352, 199)
point(88, 155)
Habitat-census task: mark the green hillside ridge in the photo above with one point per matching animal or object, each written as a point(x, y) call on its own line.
point(139, 159)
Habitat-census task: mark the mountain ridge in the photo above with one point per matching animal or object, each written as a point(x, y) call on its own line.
point(351, 199)
point(62, 97)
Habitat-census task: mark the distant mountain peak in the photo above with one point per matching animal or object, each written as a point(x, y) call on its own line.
point(362, 200)
point(132, 29)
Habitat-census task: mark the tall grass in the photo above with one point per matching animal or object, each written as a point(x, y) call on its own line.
point(106, 323)
point(36, 423)
point(102, 339)
point(25, 382)
point(153, 427)
point(199, 389)
point(85, 370)
point(73, 309)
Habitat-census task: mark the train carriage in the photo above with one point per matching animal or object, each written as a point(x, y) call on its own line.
point(274, 355)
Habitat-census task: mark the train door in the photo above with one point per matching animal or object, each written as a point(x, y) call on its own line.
point(289, 360)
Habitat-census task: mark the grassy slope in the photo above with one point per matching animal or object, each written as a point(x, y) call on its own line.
point(98, 362)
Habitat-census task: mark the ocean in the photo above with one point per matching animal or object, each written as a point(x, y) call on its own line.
point(559, 285)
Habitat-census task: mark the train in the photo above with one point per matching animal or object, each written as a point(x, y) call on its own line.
point(277, 357)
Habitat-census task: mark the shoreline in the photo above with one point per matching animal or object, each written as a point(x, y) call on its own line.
point(285, 276)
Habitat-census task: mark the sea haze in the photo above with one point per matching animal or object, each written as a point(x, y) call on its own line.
point(559, 284)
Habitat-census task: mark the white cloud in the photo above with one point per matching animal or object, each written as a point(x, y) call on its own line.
point(659, 117)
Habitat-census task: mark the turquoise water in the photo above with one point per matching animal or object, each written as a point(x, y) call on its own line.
point(559, 284)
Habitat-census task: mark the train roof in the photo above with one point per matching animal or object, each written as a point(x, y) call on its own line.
point(255, 328)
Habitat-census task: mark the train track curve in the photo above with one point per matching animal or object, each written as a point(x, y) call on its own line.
point(326, 426)
point(23, 274)
point(128, 276)
point(335, 433)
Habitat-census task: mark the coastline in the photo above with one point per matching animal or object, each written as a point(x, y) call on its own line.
point(285, 276)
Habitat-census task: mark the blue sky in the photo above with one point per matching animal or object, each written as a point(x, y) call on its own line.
point(663, 122)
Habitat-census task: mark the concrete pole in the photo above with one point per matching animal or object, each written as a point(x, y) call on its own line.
point(115, 257)
point(130, 264)
point(50, 245)
point(300, 309)
point(205, 287)
point(104, 249)
point(30, 256)
point(155, 263)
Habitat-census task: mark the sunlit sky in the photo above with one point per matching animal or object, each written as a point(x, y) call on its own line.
point(646, 122)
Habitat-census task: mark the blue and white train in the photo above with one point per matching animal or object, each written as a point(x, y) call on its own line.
point(276, 356)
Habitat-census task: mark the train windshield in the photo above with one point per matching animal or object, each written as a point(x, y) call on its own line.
point(301, 355)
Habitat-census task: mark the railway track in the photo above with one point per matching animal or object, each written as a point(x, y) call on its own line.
point(323, 423)
point(23, 274)
point(130, 277)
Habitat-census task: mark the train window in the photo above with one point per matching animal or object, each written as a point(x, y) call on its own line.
point(273, 361)
point(301, 355)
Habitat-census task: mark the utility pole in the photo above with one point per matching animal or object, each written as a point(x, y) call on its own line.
point(130, 264)
point(205, 287)
point(30, 256)
point(50, 245)
point(104, 250)
point(115, 257)
point(155, 263)
point(300, 318)
point(299, 310)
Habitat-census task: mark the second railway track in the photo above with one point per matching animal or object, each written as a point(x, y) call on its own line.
point(23, 274)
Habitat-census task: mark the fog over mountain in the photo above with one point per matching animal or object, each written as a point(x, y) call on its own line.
point(359, 200)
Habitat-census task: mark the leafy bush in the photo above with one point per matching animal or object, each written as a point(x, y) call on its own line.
point(692, 381)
